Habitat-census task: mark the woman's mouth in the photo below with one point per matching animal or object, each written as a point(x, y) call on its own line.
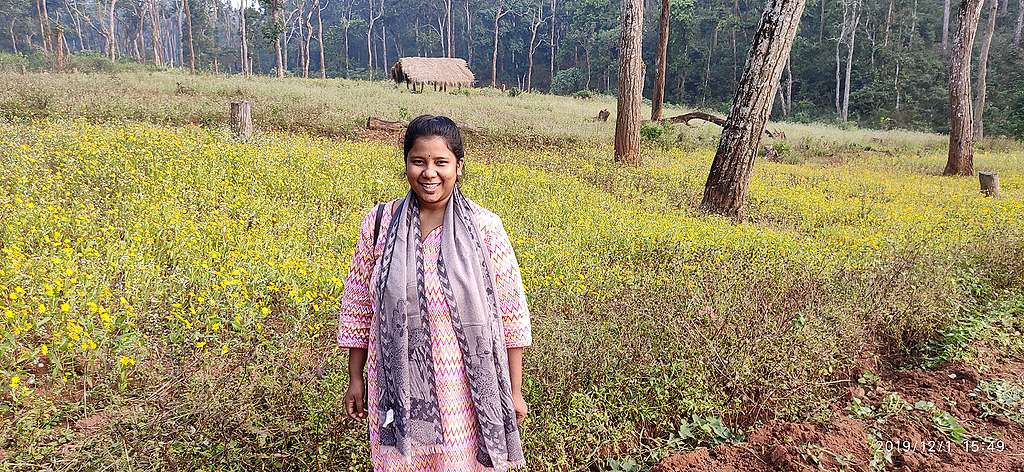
point(430, 188)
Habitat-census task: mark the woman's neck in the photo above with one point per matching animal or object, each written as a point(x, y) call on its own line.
point(434, 208)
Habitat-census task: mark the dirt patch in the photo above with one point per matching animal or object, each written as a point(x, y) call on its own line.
point(905, 421)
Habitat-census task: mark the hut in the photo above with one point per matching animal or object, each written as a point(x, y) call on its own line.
point(440, 72)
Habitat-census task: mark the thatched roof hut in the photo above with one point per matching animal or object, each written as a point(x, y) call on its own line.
point(436, 71)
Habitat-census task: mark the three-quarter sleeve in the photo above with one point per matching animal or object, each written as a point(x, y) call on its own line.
point(356, 311)
point(511, 296)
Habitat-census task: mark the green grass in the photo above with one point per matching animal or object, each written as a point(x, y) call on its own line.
point(201, 276)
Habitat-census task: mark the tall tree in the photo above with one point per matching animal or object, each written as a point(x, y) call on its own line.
point(371, 18)
point(537, 20)
point(277, 27)
point(726, 187)
point(847, 36)
point(553, 41)
point(658, 94)
point(191, 43)
point(320, 37)
point(1020, 25)
point(631, 83)
point(986, 46)
point(499, 12)
point(961, 115)
point(946, 7)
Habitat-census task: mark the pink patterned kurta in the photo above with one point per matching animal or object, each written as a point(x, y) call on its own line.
point(357, 329)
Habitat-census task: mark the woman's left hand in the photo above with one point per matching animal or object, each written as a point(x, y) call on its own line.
point(521, 408)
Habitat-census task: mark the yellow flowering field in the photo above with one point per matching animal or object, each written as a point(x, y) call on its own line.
point(169, 296)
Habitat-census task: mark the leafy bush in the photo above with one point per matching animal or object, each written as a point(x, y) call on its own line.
point(568, 81)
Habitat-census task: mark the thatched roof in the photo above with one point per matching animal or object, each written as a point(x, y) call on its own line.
point(433, 70)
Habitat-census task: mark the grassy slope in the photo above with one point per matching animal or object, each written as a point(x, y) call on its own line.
point(229, 258)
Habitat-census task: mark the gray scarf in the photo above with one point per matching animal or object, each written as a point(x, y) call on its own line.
point(409, 418)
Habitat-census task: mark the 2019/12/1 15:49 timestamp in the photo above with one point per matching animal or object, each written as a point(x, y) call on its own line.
point(929, 446)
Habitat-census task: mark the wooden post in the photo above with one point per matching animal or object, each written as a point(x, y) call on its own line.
point(241, 120)
point(989, 183)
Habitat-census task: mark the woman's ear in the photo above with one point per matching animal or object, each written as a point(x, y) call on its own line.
point(458, 169)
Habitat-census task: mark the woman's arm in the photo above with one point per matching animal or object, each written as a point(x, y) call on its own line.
point(354, 406)
point(515, 373)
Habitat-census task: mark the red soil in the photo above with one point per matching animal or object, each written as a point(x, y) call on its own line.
point(914, 441)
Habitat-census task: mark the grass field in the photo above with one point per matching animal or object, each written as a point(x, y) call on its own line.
point(169, 296)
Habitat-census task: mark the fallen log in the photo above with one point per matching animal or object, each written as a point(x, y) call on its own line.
point(699, 115)
point(377, 124)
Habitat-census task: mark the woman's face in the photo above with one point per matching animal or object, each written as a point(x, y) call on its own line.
point(432, 169)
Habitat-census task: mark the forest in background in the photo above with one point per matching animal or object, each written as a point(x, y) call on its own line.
point(876, 63)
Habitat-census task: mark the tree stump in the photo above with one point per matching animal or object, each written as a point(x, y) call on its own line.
point(241, 120)
point(989, 183)
point(602, 115)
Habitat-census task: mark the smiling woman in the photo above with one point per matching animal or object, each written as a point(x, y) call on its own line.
point(435, 310)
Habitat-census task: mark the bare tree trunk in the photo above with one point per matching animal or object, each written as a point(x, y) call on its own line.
point(658, 94)
point(888, 23)
point(631, 83)
point(1020, 25)
point(986, 46)
point(961, 114)
point(945, 24)
point(845, 115)
point(154, 17)
point(14, 41)
point(469, 36)
point(726, 187)
point(498, 13)
point(320, 37)
point(111, 32)
point(191, 44)
point(553, 42)
point(538, 20)
point(1004, 7)
point(369, 33)
point(278, 14)
point(448, 27)
point(309, 40)
point(384, 47)
point(244, 41)
point(789, 85)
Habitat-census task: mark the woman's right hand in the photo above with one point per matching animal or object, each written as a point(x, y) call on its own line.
point(354, 406)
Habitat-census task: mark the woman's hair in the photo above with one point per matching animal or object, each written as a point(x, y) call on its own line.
point(426, 126)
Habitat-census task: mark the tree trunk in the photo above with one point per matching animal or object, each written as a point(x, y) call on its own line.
point(1004, 7)
point(986, 46)
point(155, 31)
point(658, 94)
point(961, 115)
point(320, 38)
point(498, 13)
point(1020, 25)
point(384, 47)
point(631, 83)
point(888, 23)
point(726, 187)
point(278, 14)
point(554, 15)
point(448, 27)
point(945, 25)
point(469, 36)
point(191, 44)
point(244, 42)
point(849, 61)
point(111, 32)
point(14, 41)
point(42, 26)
